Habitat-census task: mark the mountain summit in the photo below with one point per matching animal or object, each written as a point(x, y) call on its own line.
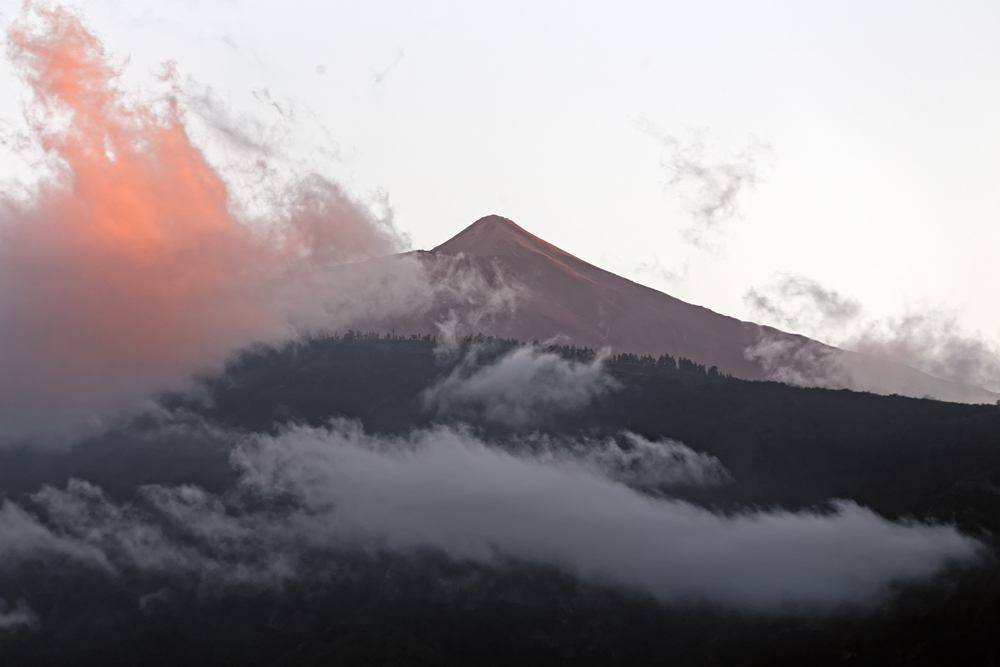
point(495, 236)
point(570, 299)
point(567, 299)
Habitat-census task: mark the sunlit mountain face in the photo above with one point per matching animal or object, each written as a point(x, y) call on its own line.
point(561, 297)
point(279, 438)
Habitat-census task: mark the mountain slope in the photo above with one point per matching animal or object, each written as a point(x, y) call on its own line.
point(590, 306)
point(564, 297)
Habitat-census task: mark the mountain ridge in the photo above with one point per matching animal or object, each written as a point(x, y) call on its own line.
point(568, 299)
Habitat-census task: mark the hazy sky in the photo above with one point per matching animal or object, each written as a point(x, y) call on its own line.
point(880, 179)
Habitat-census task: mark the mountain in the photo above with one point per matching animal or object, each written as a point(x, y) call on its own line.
point(565, 298)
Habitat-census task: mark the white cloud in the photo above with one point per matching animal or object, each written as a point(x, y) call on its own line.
point(326, 491)
point(520, 389)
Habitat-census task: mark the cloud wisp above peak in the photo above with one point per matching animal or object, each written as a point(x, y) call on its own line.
point(709, 187)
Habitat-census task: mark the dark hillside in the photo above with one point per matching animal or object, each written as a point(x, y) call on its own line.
point(784, 446)
point(788, 446)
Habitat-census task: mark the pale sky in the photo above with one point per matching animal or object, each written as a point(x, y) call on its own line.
point(881, 179)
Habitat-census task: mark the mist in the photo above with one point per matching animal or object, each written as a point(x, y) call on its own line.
point(14, 619)
point(936, 343)
point(646, 464)
point(520, 389)
point(802, 304)
point(330, 490)
point(450, 492)
point(929, 340)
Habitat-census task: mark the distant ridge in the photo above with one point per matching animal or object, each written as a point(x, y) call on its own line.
point(571, 300)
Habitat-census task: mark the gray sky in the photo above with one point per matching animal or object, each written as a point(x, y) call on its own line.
point(881, 179)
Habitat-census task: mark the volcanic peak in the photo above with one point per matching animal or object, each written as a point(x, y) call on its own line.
point(566, 298)
point(496, 236)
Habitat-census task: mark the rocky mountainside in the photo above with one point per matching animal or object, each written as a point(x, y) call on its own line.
point(562, 297)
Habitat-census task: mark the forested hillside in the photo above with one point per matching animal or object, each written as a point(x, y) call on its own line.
point(780, 447)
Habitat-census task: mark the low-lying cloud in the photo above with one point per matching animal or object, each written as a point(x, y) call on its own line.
point(19, 617)
point(520, 389)
point(312, 491)
point(931, 341)
point(801, 362)
point(935, 343)
point(647, 464)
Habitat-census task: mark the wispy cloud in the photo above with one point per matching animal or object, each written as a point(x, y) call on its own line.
point(20, 616)
point(521, 389)
point(930, 340)
point(709, 186)
point(633, 460)
point(800, 303)
point(379, 76)
point(934, 342)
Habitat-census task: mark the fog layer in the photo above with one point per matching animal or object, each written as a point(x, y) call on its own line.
point(313, 491)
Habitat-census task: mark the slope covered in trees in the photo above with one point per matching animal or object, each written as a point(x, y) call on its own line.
point(784, 447)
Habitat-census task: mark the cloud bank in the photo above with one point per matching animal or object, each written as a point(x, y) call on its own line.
point(308, 492)
point(127, 265)
point(934, 342)
point(131, 262)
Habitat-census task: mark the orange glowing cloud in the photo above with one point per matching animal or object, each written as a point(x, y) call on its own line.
point(128, 267)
